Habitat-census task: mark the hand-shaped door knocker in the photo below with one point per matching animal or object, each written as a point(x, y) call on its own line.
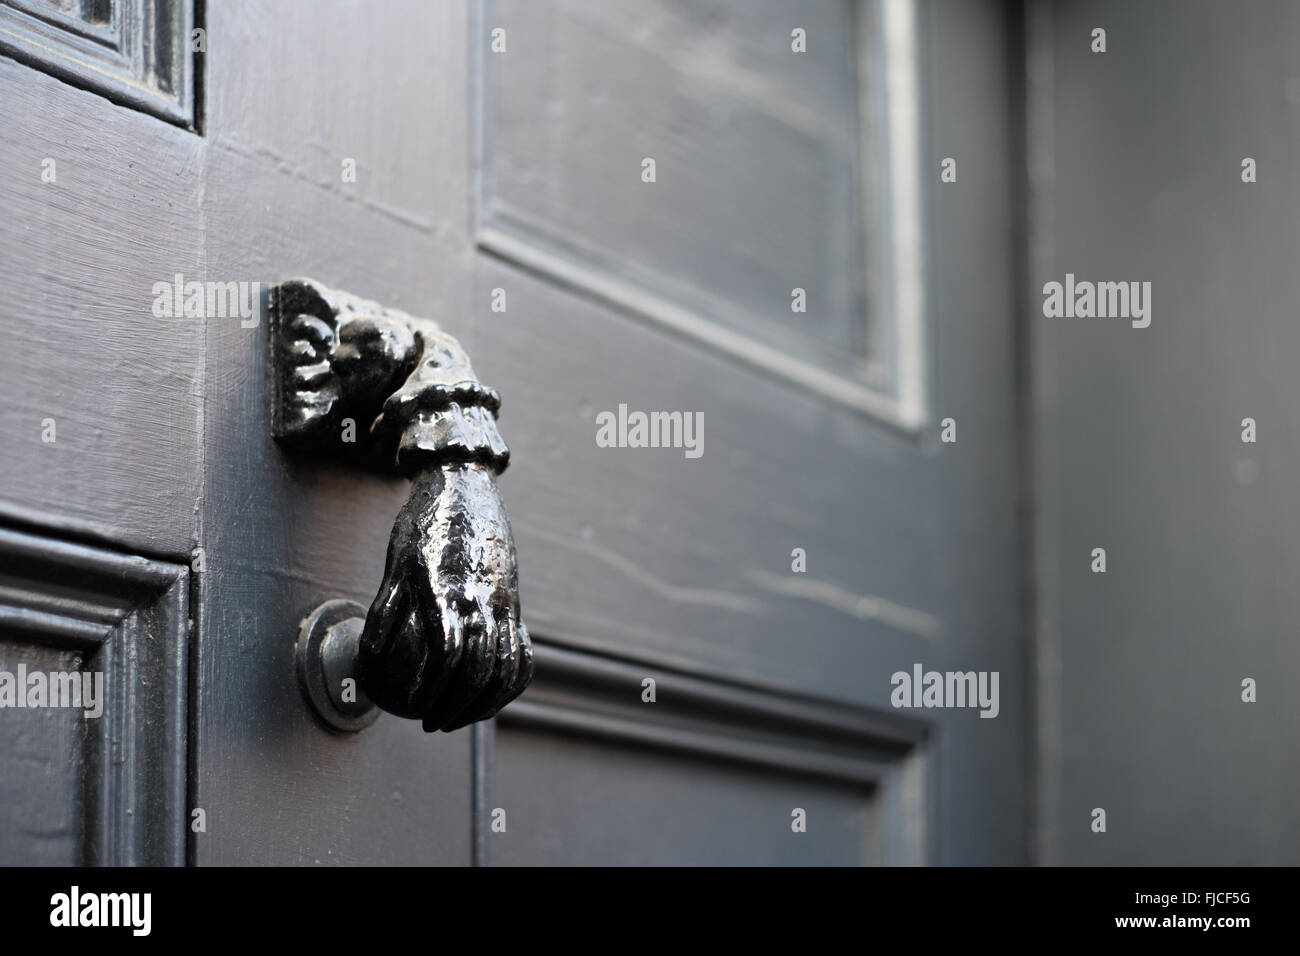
point(442, 641)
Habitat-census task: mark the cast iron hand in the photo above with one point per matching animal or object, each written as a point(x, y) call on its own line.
point(442, 641)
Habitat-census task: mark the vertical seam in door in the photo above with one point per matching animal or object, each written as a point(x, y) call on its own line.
point(1042, 572)
point(480, 749)
point(197, 576)
point(1021, 225)
point(198, 93)
point(191, 849)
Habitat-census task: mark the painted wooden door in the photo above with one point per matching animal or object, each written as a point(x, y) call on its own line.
point(1167, 441)
point(730, 214)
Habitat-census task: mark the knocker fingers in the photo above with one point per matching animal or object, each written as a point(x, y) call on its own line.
point(466, 680)
point(512, 672)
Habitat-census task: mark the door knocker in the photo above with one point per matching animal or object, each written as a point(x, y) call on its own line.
point(443, 641)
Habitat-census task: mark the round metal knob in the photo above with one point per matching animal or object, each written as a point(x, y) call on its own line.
point(327, 659)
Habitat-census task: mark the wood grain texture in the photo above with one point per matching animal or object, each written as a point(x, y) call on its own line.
point(284, 531)
point(135, 52)
point(82, 346)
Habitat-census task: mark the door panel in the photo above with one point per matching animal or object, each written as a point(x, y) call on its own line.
point(38, 789)
point(611, 762)
point(93, 692)
point(713, 95)
point(574, 801)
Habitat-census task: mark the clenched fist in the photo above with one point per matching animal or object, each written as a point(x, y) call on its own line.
point(443, 641)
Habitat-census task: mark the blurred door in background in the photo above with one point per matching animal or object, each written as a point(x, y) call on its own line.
point(1141, 174)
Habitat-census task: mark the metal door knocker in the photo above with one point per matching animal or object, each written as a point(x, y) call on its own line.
point(442, 642)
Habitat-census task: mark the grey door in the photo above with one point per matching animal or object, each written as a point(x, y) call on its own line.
point(1165, 690)
point(718, 622)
